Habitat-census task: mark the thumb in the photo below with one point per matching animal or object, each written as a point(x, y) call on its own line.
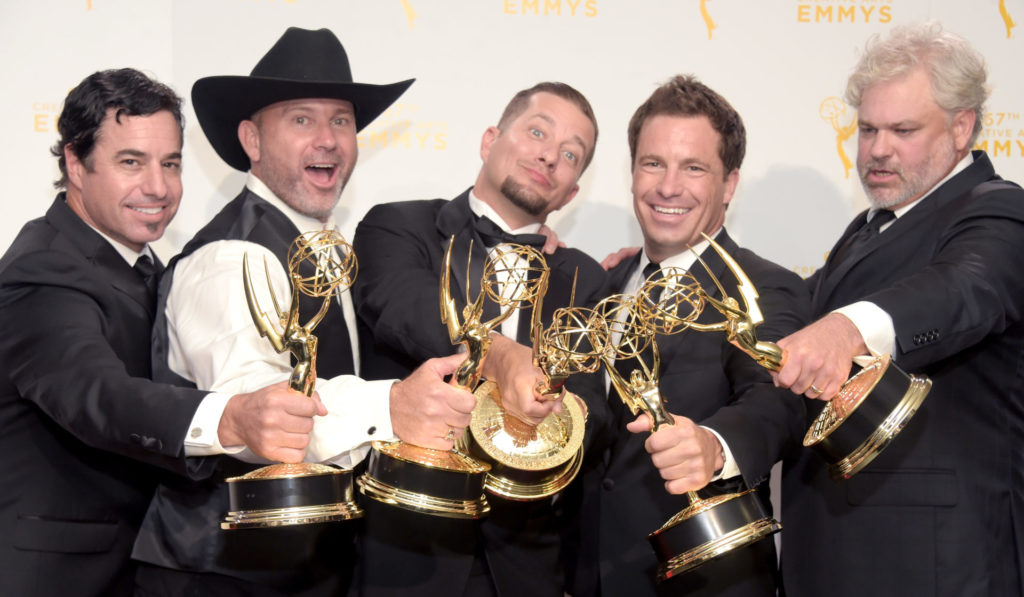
point(445, 366)
point(639, 425)
point(321, 410)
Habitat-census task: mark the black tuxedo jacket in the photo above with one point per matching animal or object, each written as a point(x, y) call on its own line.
point(182, 527)
point(81, 426)
point(401, 249)
point(941, 510)
point(708, 380)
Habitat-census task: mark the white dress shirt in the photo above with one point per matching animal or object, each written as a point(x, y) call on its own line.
point(214, 343)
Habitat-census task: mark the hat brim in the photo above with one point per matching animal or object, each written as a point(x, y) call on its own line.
point(221, 103)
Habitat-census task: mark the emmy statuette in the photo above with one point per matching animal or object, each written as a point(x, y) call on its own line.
point(300, 493)
point(708, 527)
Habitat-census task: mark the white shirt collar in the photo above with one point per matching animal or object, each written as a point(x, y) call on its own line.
point(302, 222)
point(481, 209)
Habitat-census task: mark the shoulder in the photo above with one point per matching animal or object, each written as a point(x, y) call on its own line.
point(760, 269)
point(42, 255)
point(411, 210)
point(996, 198)
point(223, 257)
point(575, 259)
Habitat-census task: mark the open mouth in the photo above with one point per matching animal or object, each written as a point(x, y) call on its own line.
point(322, 174)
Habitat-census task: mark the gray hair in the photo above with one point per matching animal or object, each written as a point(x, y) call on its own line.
point(956, 70)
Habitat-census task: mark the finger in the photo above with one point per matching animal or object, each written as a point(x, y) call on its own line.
point(683, 470)
point(458, 400)
point(680, 486)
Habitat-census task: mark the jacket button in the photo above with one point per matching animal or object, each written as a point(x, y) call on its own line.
point(608, 484)
point(371, 431)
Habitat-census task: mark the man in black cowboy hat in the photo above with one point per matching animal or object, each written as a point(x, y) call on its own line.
point(292, 124)
point(532, 162)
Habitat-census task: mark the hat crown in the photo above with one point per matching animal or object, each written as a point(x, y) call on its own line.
point(305, 55)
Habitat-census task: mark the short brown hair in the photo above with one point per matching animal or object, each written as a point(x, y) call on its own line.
point(684, 95)
point(517, 105)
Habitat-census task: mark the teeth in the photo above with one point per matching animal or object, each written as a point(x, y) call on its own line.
point(324, 166)
point(148, 210)
point(677, 211)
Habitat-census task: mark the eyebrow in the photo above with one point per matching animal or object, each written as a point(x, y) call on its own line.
point(899, 124)
point(136, 153)
point(551, 121)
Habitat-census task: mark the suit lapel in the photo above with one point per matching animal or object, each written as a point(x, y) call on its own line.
point(618, 276)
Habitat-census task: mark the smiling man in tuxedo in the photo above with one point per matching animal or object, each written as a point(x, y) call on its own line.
point(85, 431)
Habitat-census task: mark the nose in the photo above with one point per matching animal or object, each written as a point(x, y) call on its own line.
point(671, 183)
point(154, 182)
point(325, 137)
point(881, 145)
point(548, 154)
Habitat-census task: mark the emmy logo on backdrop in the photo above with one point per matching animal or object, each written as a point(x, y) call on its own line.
point(668, 303)
point(320, 264)
point(851, 430)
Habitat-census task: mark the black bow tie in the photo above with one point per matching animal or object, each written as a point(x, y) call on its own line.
point(493, 235)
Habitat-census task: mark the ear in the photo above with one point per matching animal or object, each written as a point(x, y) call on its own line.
point(963, 127)
point(731, 180)
point(490, 136)
point(249, 137)
point(75, 167)
point(568, 198)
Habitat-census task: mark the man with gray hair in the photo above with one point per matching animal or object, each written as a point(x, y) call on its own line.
point(926, 275)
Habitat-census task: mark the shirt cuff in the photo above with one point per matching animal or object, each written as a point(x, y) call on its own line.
point(358, 412)
point(202, 438)
point(730, 469)
point(874, 324)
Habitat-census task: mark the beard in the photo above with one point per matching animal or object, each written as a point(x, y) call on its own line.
point(913, 184)
point(523, 198)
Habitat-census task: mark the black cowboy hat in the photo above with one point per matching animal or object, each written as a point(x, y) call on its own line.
point(302, 64)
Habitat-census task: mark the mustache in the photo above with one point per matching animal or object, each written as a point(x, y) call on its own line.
point(880, 165)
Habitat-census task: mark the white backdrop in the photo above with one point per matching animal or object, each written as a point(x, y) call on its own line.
point(782, 63)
